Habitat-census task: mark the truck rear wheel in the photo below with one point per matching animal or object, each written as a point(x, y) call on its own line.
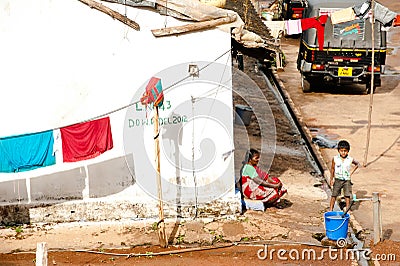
point(368, 88)
point(305, 84)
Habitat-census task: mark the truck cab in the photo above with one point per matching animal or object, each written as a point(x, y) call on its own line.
point(292, 9)
point(346, 55)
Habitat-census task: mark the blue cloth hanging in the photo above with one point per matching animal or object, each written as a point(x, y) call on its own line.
point(26, 152)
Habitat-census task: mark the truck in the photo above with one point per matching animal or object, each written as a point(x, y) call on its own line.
point(346, 55)
point(292, 9)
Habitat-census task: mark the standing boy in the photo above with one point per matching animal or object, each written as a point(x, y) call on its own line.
point(341, 173)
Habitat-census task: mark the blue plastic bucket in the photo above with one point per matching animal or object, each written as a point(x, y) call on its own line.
point(336, 226)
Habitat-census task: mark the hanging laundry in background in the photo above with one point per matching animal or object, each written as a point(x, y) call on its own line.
point(26, 152)
point(343, 15)
point(384, 15)
point(396, 21)
point(293, 26)
point(319, 24)
point(276, 28)
point(361, 10)
point(381, 13)
point(86, 140)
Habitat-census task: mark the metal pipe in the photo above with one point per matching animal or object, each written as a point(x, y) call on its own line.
point(377, 217)
point(363, 199)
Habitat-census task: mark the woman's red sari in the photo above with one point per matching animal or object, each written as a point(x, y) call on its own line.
point(254, 191)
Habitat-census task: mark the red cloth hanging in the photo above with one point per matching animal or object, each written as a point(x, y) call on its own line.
point(396, 21)
point(319, 24)
point(86, 140)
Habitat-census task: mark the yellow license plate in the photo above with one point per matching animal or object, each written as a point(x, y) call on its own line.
point(345, 71)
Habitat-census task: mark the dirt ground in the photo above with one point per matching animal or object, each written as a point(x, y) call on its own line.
point(342, 113)
point(216, 255)
point(385, 253)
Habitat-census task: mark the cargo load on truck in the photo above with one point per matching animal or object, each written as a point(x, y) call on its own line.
point(343, 53)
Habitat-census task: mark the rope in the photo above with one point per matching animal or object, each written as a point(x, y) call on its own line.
point(134, 102)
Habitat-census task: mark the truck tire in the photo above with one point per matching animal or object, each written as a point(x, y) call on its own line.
point(368, 88)
point(305, 84)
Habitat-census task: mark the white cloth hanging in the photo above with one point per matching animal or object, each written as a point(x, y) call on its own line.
point(343, 15)
point(293, 26)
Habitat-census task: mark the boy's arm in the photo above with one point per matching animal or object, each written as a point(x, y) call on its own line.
point(356, 165)
point(332, 172)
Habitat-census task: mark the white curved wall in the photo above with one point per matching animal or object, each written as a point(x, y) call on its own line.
point(63, 62)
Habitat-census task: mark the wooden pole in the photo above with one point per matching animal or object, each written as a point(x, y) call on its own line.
point(377, 217)
point(193, 27)
point(161, 225)
point(111, 13)
point(41, 254)
point(371, 94)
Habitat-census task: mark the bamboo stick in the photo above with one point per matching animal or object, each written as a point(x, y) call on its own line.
point(161, 225)
point(371, 97)
point(111, 13)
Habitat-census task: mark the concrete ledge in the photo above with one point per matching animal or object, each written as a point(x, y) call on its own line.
point(120, 210)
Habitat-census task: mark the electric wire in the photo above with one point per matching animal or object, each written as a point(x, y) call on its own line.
point(165, 91)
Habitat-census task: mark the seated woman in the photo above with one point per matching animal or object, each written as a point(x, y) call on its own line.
point(257, 184)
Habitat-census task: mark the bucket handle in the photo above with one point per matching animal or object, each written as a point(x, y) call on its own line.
point(344, 220)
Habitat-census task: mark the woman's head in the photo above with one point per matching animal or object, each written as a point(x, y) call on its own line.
point(253, 156)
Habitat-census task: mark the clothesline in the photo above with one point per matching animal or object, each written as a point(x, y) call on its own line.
point(382, 14)
point(79, 142)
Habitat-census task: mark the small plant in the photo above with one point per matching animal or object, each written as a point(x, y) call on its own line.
point(149, 254)
point(180, 239)
point(18, 232)
point(218, 238)
point(245, 219)
point(18, 229)
point(154, 226)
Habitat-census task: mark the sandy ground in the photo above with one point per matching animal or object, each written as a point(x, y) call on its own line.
point(343, 114)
